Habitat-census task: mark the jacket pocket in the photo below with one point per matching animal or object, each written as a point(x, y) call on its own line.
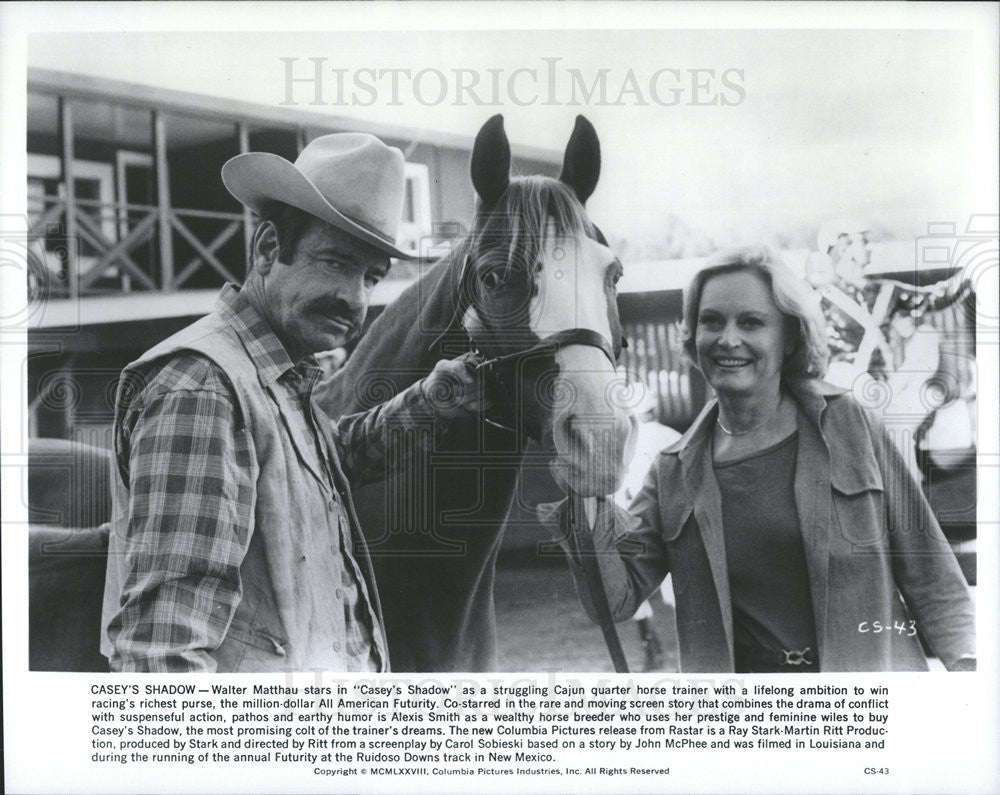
point(858, 498)
point(860, 514)
point(673, 517)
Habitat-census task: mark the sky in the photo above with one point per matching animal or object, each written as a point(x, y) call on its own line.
point(806, 125)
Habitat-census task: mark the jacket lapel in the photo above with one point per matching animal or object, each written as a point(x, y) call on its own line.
point(699, 479)
point(812, 503)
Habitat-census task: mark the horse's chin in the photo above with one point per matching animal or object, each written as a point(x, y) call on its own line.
point(593, 431)
point(591, 484)
point(593, 464)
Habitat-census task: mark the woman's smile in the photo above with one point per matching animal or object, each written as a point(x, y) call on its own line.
point(740, 335)
point(729, 361)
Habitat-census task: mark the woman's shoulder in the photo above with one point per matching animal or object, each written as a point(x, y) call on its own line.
point(851, 425)
point(669, 458)
point(696, 435)
point(835, 402)
point(845, 405)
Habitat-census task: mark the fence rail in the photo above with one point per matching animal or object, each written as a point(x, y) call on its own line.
point(655, 357)
point(116, 249)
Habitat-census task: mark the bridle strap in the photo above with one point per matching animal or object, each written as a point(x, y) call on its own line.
point(577, 516)
point(557, 341)
point(498, 369)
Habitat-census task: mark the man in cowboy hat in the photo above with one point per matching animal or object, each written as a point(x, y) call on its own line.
point(846, 243)
point(234, 543)
point(847, 297)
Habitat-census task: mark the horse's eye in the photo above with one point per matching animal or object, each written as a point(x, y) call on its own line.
point(491, 280)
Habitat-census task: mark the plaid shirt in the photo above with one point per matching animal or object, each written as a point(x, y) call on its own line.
point(186, 458)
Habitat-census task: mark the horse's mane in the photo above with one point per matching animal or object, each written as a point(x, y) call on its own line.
point(404, 342)
point(520, 218)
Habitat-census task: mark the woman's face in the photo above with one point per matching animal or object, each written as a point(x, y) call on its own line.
point(740, 335)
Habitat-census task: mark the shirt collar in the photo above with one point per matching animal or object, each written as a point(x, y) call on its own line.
point(810, 393)
point(262, 345)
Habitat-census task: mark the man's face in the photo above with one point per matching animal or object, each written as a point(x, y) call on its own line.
point(859, 249)
point(852, 254)
point(319, 299)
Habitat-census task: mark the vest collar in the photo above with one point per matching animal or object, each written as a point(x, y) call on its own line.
point(261, 343)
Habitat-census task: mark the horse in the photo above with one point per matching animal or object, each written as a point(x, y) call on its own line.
point(532, 289)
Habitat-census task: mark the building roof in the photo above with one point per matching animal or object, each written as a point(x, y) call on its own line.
point(84, 86)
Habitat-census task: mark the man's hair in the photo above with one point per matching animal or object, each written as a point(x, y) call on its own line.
point(290, 224)
point(810, 353)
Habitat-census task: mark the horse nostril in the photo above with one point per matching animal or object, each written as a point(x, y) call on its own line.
point(597, 435)
point(573, 427)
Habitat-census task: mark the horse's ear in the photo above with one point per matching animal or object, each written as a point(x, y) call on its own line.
point(582, 161)
point(491, 162)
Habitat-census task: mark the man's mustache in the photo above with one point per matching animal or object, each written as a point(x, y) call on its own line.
point(339, 312)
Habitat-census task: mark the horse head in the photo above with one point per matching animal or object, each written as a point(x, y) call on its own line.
point(538, 298)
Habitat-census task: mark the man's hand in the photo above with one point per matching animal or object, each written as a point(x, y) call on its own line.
point(453, 390)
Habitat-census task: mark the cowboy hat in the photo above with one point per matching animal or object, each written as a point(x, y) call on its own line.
point(352, 181)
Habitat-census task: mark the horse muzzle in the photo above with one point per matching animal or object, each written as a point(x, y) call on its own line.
point(562, 392)
point(593, 433)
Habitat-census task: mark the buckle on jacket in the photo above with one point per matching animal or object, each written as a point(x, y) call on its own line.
point(797, 657)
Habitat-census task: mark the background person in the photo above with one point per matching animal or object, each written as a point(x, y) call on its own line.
point(849, 300)
point(788, 518)
point(879, 330)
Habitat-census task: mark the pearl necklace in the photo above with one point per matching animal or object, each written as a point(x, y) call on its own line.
point(760, 424)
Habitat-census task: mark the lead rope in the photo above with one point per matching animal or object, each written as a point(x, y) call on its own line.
point(592, 573)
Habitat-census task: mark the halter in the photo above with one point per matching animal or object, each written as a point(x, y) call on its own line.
point(499, 373)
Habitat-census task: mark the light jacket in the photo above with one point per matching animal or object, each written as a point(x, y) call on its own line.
point(875, 554)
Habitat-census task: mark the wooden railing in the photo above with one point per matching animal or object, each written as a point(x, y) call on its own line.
point(68, 271)
point(655, 357)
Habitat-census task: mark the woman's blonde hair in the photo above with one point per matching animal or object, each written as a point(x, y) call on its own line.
point(810, 353)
